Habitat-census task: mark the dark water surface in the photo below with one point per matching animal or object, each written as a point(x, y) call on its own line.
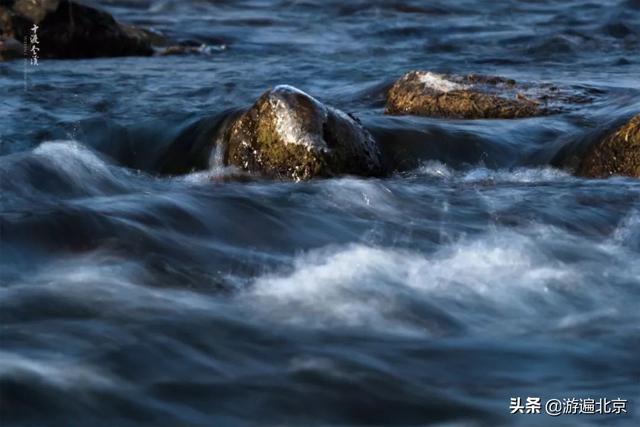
point(431, 297)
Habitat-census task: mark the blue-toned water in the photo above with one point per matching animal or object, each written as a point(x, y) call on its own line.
point(479, 272)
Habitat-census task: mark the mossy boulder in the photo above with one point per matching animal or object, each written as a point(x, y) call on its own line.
point(289, 135)
point(67, 29)
point(429, 94)
point(617, 154)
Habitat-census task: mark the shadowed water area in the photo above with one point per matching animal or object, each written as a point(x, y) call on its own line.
point(478, 271)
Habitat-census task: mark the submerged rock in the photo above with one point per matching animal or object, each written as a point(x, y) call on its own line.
point(617, 154)
point(67, 29)
point(465, 97)
point(288, 134)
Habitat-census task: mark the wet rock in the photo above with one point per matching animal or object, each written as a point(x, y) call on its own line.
point(181, 49)
point(10, 48)
point(464, 97)
point(617, 154)
point(6, 28)
point(34, 10)
point(67, 29)
point(289, 135)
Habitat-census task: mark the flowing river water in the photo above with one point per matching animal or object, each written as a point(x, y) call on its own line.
point(480, 272)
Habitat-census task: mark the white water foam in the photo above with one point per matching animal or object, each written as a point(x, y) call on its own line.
point(628, 231)
point(62, 373)
point(216, 171)
point(106, 282)
point(438, 169)
point(374, 195)
point(75, 159)
point(502, 282)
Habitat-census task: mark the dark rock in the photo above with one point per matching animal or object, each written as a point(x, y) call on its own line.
point(34, 10)
point(289, 135)
point(6, 27)
point(464, 97)
point(10, 48)
point(616, 154)
point(71, 30)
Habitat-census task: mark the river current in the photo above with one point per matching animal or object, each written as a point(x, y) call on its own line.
point(482, 271)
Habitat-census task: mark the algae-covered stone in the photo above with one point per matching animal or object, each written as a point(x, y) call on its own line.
point(465, 97)
point(617, 154)
point(66, 29)
point(288, 134)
